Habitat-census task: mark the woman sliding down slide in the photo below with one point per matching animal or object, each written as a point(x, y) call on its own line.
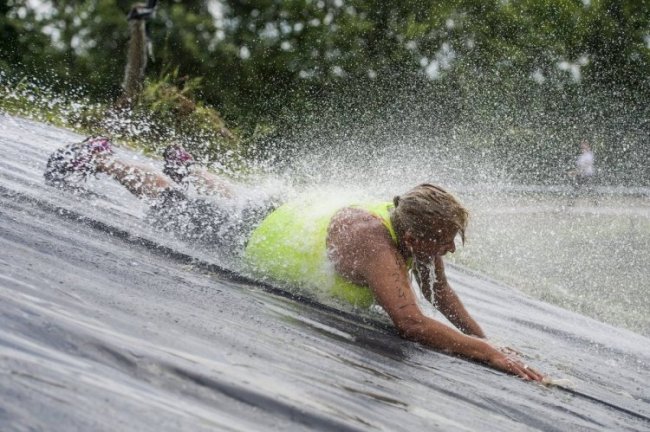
point(359, 252)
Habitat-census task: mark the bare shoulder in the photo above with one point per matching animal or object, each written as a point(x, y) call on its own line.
point(356, 226)
point(355, 240)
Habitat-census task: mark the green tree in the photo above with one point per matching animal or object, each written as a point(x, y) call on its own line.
point(553, 66)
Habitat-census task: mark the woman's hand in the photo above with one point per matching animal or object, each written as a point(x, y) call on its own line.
point(514, 366)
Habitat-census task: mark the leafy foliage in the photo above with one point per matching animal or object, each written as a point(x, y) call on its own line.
point(553, 71)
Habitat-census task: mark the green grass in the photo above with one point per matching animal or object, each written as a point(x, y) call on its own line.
point(163, 114)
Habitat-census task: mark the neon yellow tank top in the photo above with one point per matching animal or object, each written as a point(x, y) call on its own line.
point(290, 246)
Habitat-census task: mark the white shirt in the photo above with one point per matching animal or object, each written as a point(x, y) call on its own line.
point(585, 163)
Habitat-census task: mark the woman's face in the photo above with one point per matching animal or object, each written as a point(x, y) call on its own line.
point(427, 248)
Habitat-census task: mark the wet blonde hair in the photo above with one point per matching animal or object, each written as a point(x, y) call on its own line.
point(426, 209)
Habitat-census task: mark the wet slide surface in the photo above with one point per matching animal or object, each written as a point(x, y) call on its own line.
point(107, 325)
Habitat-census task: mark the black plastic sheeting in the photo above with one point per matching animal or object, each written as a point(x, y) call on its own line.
point(107, 325)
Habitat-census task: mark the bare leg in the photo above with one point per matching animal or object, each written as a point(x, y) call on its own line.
point(137, 179)
point(208, 183)
point(181, 167)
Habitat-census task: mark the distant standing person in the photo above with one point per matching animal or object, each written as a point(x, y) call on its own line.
point(584, 172)
point(585, 165)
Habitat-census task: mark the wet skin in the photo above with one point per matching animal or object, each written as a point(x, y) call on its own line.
point(363, 252)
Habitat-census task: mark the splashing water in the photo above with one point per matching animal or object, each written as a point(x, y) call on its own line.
point(582, 250)
point(588, 254)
